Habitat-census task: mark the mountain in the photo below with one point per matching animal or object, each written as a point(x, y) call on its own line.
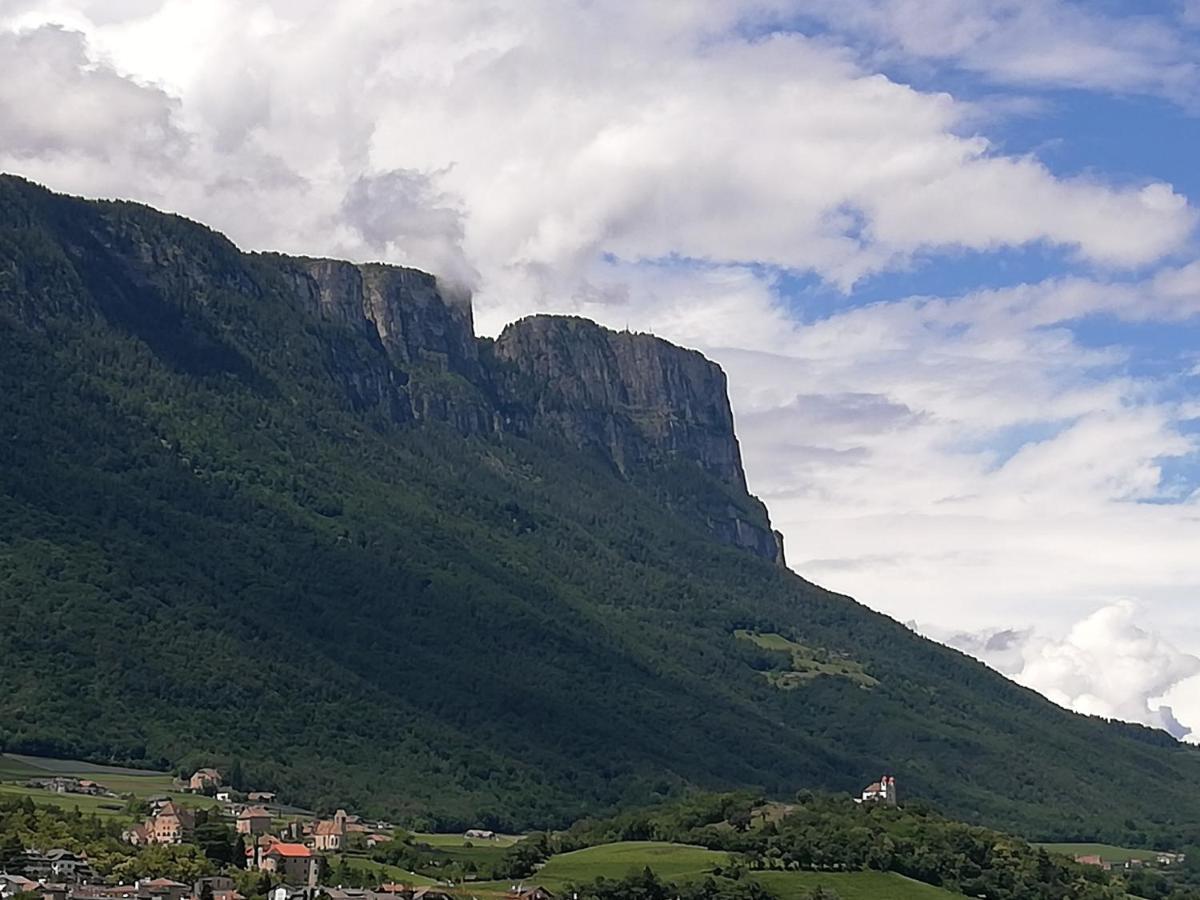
point(292, 512)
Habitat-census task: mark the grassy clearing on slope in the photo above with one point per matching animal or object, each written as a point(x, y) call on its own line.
point(45, 765)
point(851, 886)
point(686, 863)
point(671, 862)
point(442, 841)
point(380, 871)
point(104, 806)
point(807, 662)
point(1107, 852)
point(118, 779)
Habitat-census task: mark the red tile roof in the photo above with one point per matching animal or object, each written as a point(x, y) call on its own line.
point(295, 851)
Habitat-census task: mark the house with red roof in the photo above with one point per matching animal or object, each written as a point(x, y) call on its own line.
point(294, 863)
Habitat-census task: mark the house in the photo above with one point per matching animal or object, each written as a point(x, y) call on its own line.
point(283, 892)
point(261, 796)
point(532, 892)
point(11, 885)
point(52, 891)
point(138, 835)
point(218, 884)
point(203, 779)
point(103, 892)
point(225, 796)
point(294, 863)
point(58, 865)
point(161, 889)
point(431, 893)
point(1091, 859)
point(339, 893)
point(327, 835)
point(375, 839)
point(170, 824)
point(253, 820)
point(480, 834)
point(882, 791)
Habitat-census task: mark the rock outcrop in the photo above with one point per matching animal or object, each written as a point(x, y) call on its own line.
point(389, 339)
point(637, 398)
point(426, 334)
point(640, 401)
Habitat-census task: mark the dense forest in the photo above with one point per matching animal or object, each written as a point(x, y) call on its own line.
point(213, 547)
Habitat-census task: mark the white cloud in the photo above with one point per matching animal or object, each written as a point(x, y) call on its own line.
point(567, 132)
point(1056, 43)
point(1108, 665)
point(56, 102)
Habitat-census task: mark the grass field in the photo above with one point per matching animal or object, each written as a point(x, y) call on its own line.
point(442, 841)
point(1107, 852)
point(383, 873)
point(120, 780)
point(104, 806)
point(807, 663)
point(683, 863)
point(851, 886)
point(672, 862)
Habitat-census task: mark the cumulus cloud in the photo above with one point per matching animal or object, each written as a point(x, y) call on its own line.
point(1107, 665)
point(56, 101)
point(569, 133)
point(1058, 43)
point(404, 216)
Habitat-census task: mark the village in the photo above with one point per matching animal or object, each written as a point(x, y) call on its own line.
point(281, 852)
point(290, 851)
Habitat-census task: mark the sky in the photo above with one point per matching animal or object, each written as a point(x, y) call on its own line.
point(946, 251)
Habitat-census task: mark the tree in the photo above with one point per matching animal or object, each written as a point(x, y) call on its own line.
point(237, 778)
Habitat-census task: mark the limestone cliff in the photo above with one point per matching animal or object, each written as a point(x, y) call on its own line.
point(426, 335)
point(639, 400)
point(636, 397)
point(389, 340)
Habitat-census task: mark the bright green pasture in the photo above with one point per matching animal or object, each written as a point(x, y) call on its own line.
point(1107, 852)
point(851, 886)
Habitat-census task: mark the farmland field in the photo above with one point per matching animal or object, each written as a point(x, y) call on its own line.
point(381, 871)
point(682, 863)
point(442, 841)
point(104, 806)
point(1107, 852)
point(851, 885)
point(118, 779)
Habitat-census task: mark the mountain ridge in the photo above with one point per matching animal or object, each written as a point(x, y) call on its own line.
point(237, 526)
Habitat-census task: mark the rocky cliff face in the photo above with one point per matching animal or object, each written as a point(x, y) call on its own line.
point(391, 339)
point(637, 399)
point(426, 335)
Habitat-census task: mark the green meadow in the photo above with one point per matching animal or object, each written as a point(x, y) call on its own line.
point(1106, 852)
point(15, 769)
point(683, 863)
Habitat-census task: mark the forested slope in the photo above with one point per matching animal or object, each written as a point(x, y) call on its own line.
point(236, 522)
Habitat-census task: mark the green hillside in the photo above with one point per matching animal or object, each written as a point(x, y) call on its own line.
point(224, 536)
point(681, 864)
